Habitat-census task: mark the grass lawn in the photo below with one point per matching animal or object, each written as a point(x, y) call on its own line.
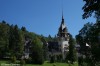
point(53, 64)
point(45, 64)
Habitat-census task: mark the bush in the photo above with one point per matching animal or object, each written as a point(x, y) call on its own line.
point(38, 61)
point(52, 60)
point(13, 59)
point(54, 64)
point(84, 64)
point(29, 60)
point(22, 62)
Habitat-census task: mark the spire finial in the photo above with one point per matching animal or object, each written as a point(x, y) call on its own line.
point(62, 16)
point(62, 10)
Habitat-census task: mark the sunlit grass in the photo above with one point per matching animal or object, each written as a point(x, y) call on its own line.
point(54, 64)
point(45, 64)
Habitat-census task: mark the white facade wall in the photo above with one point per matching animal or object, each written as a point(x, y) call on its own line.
point(64, 46)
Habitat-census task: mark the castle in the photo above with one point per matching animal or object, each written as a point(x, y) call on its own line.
point(61, 47)
point(57, 48)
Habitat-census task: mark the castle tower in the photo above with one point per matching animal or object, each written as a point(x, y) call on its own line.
point(63, 39)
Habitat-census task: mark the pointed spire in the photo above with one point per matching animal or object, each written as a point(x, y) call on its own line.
point(62, 13)
point(62, 18)
point(62, 29)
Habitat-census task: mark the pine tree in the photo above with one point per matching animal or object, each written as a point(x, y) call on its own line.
point(45, 48)
point(4, 41)
point(16, 41)
point(72, 52)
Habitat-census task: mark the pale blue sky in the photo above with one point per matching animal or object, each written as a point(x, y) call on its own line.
point(44, 16)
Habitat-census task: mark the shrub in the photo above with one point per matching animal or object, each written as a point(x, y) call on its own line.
point(52, 60)
point(29, 60)
point(13, 59)
point(22, 62)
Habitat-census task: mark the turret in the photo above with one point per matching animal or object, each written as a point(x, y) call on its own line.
point(62, 31)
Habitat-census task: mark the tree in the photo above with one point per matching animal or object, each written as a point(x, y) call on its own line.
point(72, 52)
point(90, 7)
point(4, 41)
point(15, 41)
point(95, 46)
point(50, 38)
point(13, 59)
point(90, 34)
point(23, 29)
point(93, 34)
point(18, 41)
point(52, 59)
point(37, 51)
point(55, 39)
point(45, 48)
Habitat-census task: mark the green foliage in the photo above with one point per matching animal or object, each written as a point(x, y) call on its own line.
point(52, 59)
point(90, 7)
point(16, 41)
point(37, 51)
point(13, 59)
point(49, 38)
point(22, 62)
point(13, 39)
point(4, 29)
point(45, 48)
point(29, 60)
point(45, 64)
point(72, 52)
point(23, 29)
point(12, 43)
point(90, 34)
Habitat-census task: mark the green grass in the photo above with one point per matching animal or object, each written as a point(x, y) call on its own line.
point(52, 64)
point(45, 64)
point(3, 61)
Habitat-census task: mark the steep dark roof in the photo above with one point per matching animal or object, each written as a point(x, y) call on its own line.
point(62, 29)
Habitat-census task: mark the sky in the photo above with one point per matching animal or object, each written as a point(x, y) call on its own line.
point(44, 16)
